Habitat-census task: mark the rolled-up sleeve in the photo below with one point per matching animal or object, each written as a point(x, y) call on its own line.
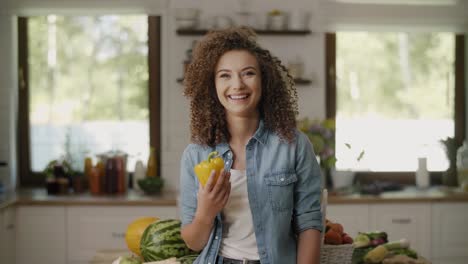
point(306, 214)
point(188, 187)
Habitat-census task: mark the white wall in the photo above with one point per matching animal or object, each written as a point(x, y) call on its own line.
point(7, 100)
point(339, 15)
point(326, 15)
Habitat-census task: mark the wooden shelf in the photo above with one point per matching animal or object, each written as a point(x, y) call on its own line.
point(296, 81)
point(302, 81)
point(199, 32)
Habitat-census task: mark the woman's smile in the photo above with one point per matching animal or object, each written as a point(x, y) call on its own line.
point(238, 98)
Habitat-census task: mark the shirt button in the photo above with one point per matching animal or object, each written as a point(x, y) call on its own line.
point(282, 179)
point(227, 162)
point(229, 154)
point(216, 237)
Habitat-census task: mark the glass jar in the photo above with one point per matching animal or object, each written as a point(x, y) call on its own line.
point(462, 166)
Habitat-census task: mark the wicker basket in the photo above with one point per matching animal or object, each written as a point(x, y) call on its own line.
point(336, 254)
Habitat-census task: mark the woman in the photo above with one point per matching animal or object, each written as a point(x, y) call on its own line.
point(265, 207)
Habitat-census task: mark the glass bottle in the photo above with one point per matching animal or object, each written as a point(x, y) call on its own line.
point(151, 170)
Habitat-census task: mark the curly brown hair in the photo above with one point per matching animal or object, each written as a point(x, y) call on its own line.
point(278, 103)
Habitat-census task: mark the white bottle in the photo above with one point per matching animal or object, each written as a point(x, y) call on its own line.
point(139, 173)
point(422, 174)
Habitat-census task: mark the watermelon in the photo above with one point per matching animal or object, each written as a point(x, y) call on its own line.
point(189, 259)
point(162, 240)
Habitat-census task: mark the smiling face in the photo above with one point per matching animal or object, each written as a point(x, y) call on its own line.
point(238, 83)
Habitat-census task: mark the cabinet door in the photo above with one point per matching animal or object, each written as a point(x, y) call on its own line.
point(449, 260)
point(7, 234)
point(354, 218)
point(41, 237)
point(92, 229)
point(450, 231)
point(411, 221)
point(3, 241)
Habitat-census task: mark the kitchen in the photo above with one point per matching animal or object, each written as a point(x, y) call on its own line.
point(420, 216)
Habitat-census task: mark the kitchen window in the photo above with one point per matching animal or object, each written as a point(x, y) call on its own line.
point(88, 85)
point(395, 96)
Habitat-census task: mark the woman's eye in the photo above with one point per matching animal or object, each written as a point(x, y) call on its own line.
point(249, 73)
point(224, 75)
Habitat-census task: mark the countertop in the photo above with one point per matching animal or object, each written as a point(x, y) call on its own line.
point(39, 196)
point(136, 198)
point(409, 194)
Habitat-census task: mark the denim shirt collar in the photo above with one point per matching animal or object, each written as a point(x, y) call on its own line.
point(261, 135)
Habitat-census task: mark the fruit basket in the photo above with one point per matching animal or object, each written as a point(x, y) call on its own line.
point(336, 254)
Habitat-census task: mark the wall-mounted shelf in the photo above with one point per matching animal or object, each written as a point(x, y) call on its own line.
point(296, 81)
point(199, 32)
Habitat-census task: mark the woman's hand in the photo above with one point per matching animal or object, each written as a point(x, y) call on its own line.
point(213, 197)
point(211, 200)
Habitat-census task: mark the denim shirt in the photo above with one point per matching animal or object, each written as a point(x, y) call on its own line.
point(283, 186)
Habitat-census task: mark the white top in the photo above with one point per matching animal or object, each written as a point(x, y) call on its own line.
point(238, 231)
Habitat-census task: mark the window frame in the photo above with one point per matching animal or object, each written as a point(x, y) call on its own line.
point(404, 177)
point(29, 178)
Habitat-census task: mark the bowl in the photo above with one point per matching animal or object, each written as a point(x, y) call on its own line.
point(151, 185)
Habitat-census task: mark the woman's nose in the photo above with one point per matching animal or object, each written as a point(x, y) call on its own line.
point(237, 82)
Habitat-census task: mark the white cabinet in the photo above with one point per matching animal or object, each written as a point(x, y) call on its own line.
point(40, 235)
point(96, 228)
point(7, 235)
point(354, 218)
point(411, 221)
point(450, 233)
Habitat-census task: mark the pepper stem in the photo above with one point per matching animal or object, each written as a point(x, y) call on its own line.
point(212, 155)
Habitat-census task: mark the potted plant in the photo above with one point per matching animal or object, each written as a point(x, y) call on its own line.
point(449, 177)
point(321, 134)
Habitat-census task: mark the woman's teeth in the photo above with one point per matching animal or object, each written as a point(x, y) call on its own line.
point(238, 97)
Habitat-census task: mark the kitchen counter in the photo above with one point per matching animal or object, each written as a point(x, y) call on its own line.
point(135, 198)
point(39, 196)
point(408, 195)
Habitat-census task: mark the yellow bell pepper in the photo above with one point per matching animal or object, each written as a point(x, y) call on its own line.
point(204, 168)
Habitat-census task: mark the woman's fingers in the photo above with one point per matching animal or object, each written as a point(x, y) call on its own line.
point(225, 189)
point(226, 196)
point(219, 184)
point(209, 184)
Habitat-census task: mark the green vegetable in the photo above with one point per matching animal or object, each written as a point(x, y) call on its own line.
point(405, 251)
point(358, 255)
point(377, 235)
point(162, 240)
point(361, 240)
point(402, 243)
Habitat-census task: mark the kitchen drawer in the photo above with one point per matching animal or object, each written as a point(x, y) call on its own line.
point(411, 221)
point(95, 228)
